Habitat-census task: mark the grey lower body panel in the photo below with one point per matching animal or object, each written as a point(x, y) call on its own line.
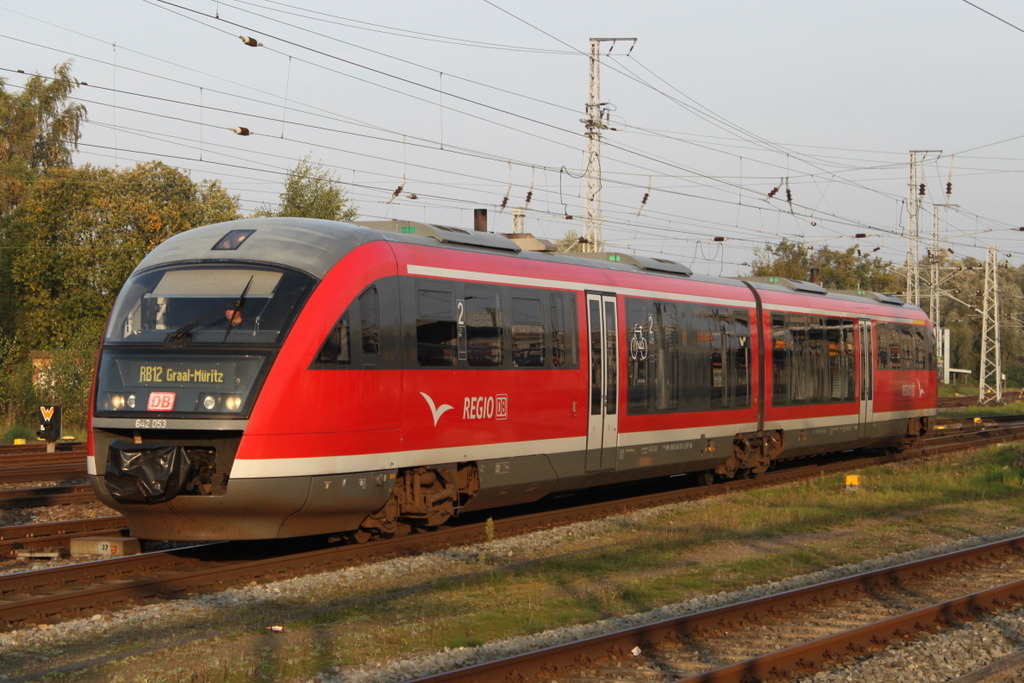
point(259, 508)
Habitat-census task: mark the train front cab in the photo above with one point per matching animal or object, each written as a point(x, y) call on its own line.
point(188, 437)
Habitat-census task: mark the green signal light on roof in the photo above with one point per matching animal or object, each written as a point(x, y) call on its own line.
point(773, 279)
point(614, 257)
point(408, 229)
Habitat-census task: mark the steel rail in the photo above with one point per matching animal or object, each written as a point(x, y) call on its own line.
point(46, 496)
point(57, 535)
point(811, 657)
point(560, 662)
point(10, 475)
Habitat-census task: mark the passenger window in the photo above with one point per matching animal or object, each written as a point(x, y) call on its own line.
point(527, 332)
point(563, 331)
point(484, 330)
point(336, 349)
point(369, 314)
point(435, 328)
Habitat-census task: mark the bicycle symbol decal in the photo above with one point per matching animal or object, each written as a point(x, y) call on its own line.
point(638, 343)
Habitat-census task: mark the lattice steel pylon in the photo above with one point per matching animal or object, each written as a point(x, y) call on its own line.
point(990, 374)
point(935, 286)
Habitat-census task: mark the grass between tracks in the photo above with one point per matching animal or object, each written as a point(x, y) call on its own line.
point(620, 566)
point(973, 411)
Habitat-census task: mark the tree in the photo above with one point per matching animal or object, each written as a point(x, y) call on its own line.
point(311, 191)
point(83, 231)
point(39, 131)
point(836, 269)
point(569, 242)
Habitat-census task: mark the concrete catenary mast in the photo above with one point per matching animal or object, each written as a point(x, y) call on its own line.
point(595, 122)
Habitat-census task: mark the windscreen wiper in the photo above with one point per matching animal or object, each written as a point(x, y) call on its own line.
point(182, 335)
point(237, 309)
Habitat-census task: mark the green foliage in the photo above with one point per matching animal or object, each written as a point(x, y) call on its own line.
point(311, 191)
point(836, 269)
point(963, 281)
point(17, 397)
point(39, 130)
point(81, 231)
point(84, 230)
point(568, 242)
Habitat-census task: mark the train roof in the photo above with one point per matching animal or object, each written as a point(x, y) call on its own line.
point(314, 246)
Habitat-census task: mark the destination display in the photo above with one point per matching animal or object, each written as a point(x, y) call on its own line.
point(220, 374)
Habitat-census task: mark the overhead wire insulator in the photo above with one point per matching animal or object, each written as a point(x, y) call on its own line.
point(241, 130)
point(647, 195)
point(250, 41)
point(920, 189)
point(508, 191)
point(398, 191)
point(949, 189)
point(643, 203)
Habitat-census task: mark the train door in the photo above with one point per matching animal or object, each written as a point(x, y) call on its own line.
point(867, 377)
point(603, 428)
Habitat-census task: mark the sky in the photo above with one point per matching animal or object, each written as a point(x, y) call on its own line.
point(468, 104)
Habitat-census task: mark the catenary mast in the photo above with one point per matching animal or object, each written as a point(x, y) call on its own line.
point(595, 122)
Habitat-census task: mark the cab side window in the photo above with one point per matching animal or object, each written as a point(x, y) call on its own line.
point(337, 348)
point(369, 314)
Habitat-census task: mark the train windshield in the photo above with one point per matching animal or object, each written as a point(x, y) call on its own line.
point(207, 305)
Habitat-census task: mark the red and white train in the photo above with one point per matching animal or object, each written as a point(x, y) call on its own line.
point(279, 377)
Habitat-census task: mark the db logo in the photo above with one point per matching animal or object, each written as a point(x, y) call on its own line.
point(161, 400)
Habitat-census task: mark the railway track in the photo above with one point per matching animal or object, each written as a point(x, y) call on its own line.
point(77, 590)
point(46, 496)
point(791, 634)
point(33, 463)
point(57, 536)
point(38, 448)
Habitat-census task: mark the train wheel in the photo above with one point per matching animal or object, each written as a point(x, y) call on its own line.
point(706, 478)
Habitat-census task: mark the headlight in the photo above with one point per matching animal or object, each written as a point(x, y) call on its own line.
point(117, 401)
point(209, 402)
point(233, 403)
point(131, 400)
